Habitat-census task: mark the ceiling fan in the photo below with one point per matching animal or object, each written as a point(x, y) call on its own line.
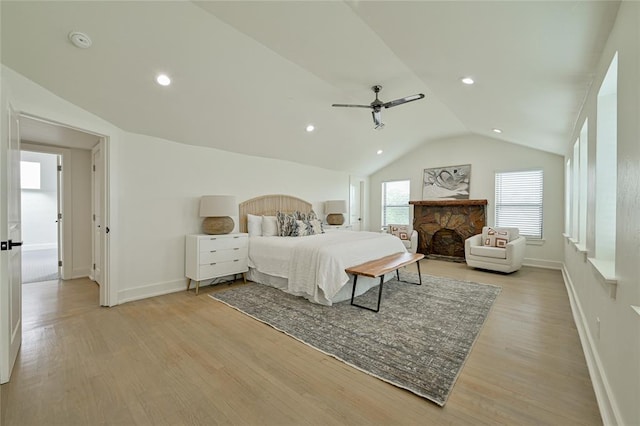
point(377, 105)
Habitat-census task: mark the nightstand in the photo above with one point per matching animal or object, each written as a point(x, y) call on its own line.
point(213, 256)
point(337, 227)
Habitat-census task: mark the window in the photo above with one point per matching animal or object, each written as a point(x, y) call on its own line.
point(583, 188)
point(519, 201)
point(606, 165)
point(395, 202)
point(29, 175)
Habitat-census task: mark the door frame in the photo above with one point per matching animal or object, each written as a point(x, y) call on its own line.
point(65, 206)
point(108, 292)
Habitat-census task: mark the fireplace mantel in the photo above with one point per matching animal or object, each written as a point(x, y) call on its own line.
point(443, 225)
point(449, 203)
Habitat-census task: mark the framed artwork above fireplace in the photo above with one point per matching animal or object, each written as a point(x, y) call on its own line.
point(447, 183)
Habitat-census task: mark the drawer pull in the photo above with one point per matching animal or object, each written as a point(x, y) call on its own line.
point(236, 260)
point(212, 264)
point(212, 238)
point(236, 237)
point(212, 251)
point(237, 248)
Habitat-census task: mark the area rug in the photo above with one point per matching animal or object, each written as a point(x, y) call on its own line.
point(418, 341)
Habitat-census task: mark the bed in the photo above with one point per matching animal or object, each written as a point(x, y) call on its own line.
point(310, 266)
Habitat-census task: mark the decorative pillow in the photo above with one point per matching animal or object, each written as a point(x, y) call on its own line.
point(400, 231)
point(269, 226)
point(287, 224)
point(303, 229)
point(495, 237)
point(316, 224)
point(254, 225)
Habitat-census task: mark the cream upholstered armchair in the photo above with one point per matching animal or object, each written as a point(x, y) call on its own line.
point(496, 249)
point(408, 236)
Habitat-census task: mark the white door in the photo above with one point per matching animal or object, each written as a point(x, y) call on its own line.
point(59, 215)
point(97, 178)
point(11, 319)
point(356, 203)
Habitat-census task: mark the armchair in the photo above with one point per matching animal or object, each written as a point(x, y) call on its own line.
point(408, 236)
point(496, 249)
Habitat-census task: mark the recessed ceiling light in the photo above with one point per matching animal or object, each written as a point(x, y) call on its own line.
point(310, 128)
point(163, 80)
point(379, 152)
point(497, 130)
point(467, 80)
point(80, 40)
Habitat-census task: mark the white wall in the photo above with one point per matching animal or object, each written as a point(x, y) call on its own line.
point(609, 328)
point(486, 156)
point(80, 212)
point(161, 185)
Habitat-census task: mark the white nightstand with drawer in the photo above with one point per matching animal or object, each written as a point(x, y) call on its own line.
point(213, 256)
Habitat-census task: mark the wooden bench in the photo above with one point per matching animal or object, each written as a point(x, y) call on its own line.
point(379, 267)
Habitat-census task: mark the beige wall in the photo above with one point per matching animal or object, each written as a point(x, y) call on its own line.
point(486, 156)
point(610, 328)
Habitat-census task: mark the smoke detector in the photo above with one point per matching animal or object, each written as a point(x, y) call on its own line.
point(80, 40)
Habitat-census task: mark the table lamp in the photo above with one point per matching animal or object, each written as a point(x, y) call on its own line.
point(216, 210)
point(335, 210)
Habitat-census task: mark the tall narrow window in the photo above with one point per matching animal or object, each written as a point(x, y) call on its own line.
point(567, 198)
point(606, 165)
point(519, 201)
point(575, 192)
point(395, 202)
point(584, 190)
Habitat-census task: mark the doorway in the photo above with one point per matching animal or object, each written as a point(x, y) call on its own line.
point(40, 189)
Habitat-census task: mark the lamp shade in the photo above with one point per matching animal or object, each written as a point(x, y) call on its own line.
point(218, 205)
point(335, 206)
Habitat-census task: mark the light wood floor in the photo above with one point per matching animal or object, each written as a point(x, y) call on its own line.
point(185, 359)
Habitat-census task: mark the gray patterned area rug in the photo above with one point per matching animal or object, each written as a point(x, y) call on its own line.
point(418, 341)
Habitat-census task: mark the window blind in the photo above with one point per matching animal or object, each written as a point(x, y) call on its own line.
point(519, 201)
point(395, 202)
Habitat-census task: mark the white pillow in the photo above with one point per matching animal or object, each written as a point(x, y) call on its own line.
point(254, 225)
point(269, 226)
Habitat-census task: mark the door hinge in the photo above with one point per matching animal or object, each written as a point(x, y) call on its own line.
point(94, 167)
point(59, 168)
point(60, 263)
point(94, 217)
point(94, 266)
point(59, 216)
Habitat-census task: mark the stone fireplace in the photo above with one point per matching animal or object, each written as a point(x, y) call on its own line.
point(443, 225)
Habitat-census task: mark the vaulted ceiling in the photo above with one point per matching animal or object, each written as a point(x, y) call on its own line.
point(249, 76)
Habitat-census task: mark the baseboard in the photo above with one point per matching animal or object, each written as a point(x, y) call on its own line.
point(80, 273)
point(166, 287)
point(151, 290)
point(606, 403)
point(542, 263)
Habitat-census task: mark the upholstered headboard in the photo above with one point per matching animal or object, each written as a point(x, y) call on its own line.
point(269, 205)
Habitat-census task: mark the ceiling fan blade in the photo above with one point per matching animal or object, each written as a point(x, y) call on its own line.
point(403, 100)
point(377, 119)
point(351, 106)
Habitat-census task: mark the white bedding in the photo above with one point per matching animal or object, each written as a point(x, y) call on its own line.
point(314, 265)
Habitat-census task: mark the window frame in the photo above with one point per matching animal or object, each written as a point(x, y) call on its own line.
point(384, 205)
point(499, 203)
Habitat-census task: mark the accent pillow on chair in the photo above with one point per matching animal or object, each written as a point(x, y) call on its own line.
point(496, 249)
point(408, 236)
